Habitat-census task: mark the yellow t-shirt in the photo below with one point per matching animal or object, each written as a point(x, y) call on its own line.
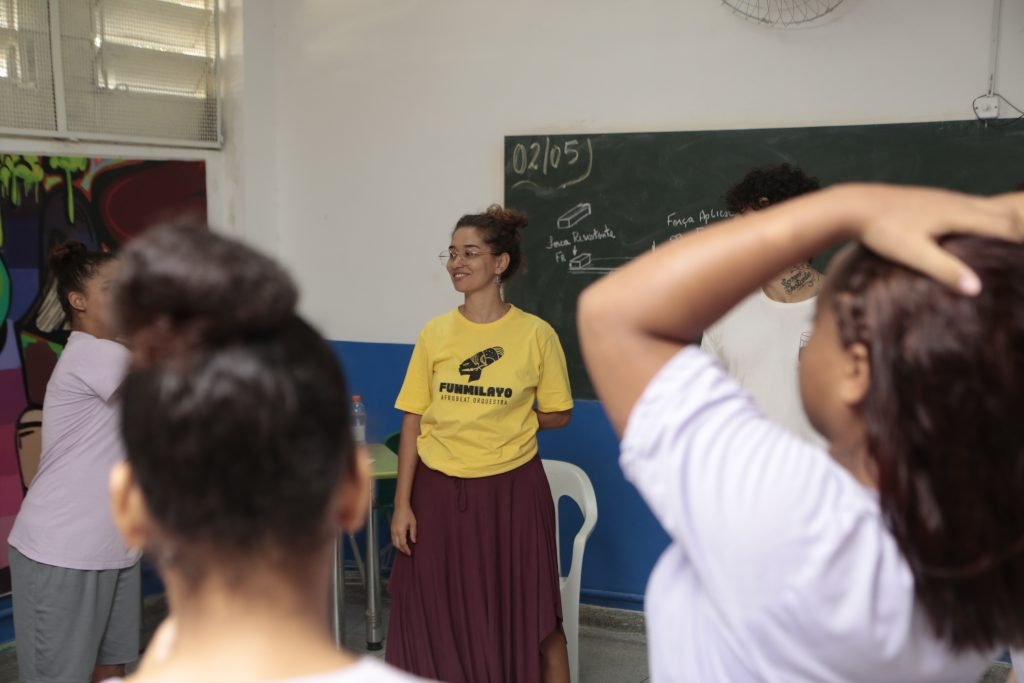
point(475, 386)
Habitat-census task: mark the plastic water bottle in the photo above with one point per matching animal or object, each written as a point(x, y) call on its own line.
point(358, 420)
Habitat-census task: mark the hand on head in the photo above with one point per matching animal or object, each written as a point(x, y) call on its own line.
point(906, 225)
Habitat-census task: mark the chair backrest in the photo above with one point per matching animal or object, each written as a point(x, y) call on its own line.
point(566, 479)
point(392, 442)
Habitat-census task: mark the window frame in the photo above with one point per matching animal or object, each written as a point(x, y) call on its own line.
point(64, 132)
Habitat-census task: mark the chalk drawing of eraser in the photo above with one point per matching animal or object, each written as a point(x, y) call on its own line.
point(581, 261)
point(573, 216)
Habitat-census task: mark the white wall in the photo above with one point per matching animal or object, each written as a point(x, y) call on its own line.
point(371, 126)
point(247, 86)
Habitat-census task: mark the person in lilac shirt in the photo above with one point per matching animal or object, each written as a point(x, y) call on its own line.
point(76, 586)
point(897, 554)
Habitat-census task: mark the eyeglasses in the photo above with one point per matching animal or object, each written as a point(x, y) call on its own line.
point(467, 256)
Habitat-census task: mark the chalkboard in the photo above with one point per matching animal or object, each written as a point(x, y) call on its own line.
point(596, 201)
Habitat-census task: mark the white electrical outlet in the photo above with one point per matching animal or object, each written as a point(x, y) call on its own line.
point(987, 107)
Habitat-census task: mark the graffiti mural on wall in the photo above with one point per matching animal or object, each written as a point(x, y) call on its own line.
point(45, 200)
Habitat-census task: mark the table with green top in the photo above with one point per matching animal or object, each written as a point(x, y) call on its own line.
point(384, 465)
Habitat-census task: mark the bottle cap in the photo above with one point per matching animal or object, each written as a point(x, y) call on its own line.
point(357, 399)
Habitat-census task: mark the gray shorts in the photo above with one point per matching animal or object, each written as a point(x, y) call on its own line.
point(66, 621)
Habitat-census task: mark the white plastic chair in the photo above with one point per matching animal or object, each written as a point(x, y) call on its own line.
point(566, 479)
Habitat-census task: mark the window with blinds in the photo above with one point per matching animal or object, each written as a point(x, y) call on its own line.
point(26, 75)
point(133, 70)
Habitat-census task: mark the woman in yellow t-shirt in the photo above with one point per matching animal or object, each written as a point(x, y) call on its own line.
point(475, 587)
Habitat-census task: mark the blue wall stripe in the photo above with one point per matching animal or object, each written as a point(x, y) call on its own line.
point(591, 596)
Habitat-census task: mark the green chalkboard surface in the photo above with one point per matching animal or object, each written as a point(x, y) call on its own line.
point(596, 201)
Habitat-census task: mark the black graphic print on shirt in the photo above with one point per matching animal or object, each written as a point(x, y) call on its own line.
point(474, 366)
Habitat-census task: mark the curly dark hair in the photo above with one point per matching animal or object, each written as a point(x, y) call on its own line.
point(768, 185)
point(502, 230)
point(943, 424)
point(235, 412)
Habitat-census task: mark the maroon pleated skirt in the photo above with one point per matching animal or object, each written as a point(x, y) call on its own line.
point(480, 592)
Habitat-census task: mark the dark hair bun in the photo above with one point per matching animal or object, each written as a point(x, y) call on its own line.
point(502, 230)
point(63, 254)
point(508, 219)
point(189, 279)
point(72, 265)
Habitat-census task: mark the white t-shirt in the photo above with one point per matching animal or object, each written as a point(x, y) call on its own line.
point(758, 342)
point(65, 519)
point(366, 670)
point(781, 567)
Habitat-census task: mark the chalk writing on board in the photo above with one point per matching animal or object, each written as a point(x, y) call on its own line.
point(579, 236)
point(585, 264)
point(552, 164)
point(574, 216)
point(702, 218)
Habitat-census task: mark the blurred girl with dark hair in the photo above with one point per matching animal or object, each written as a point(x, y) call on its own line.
point(898, 554)
point(241, 469)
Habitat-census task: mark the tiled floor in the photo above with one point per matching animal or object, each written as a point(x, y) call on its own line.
point(608, 656)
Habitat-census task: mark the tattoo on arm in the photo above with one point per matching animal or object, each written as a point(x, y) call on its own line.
point(798, 279)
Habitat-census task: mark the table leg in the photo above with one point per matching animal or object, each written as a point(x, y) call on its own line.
point(338, 591)
point(374, 625)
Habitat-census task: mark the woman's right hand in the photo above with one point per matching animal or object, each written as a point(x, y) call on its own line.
point(403, 528)
point(905, 224)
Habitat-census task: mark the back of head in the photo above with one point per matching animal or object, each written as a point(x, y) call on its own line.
point(235, 413)
point(763, 187)
point(72, 265)
point(943, 424)
point(502, 231)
